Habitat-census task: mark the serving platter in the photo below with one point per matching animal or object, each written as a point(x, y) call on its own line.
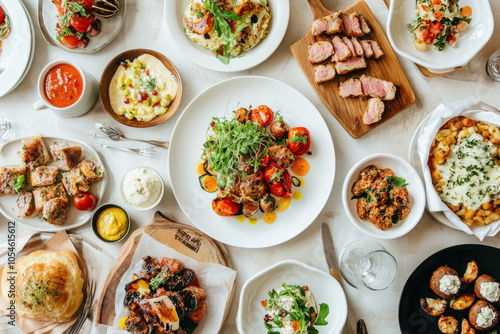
point(186, 148)
point(18, 48)
point(110, 27)
point(469, 43)
point(184, 239)
point(349, 111)
point(174, 18)
point(412, 319)
point(8, 204)
point(325, 289)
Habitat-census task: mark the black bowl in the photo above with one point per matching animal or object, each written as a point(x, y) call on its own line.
point(96, 215)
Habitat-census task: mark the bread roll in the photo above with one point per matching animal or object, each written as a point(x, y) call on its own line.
point(49, 286)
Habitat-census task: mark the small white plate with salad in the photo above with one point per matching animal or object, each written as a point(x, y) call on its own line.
point(455, 31)
point(291, 295)
point(176, 27)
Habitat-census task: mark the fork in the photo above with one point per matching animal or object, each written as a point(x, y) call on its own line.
point(91, 286)
point(147, 152)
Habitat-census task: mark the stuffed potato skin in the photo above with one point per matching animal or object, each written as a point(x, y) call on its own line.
point(474, 313)
point(437, 275)
point(477, 287)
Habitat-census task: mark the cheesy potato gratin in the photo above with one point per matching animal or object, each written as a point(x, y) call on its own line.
point(465, 168)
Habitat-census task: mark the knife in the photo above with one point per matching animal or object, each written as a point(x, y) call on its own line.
point(331, 260)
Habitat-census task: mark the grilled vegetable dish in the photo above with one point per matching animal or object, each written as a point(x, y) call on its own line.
point(382, 197)
point(247, 158)
point(164, 298)
point(227, 27)
point(77, 22)
point(438, 22)
point(293, 310)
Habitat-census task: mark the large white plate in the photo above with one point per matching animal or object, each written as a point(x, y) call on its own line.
point(110, 27)
point(16, 48)
point(186, 147)
point(8, 205)
point(325, 289)
point(469, 43)
point(174, 16)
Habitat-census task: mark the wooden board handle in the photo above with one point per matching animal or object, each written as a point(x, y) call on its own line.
point(318, 9)
point(335, 273)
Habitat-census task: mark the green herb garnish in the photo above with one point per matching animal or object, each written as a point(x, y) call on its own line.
point(35, 291)
point(149, 84)
point(19, 183)
point(156, 281)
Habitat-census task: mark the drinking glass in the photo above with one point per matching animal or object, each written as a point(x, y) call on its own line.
point(493, 66)
point(366, 264)
point(5, 129)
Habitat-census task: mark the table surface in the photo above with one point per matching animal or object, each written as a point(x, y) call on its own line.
point(145, 27)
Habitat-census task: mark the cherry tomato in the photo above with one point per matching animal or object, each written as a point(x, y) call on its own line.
point(85, 201)
point(2, 15)
point(225, 207)
point(279, 180)
point(299, 140)
point(87, 4)
point(81, 23)
point(70, 41)
point(262, 115)
point(265, 162)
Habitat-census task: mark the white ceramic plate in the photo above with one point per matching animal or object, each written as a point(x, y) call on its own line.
point(186, 148)
point(110, 27)
point(8, 205)
point(469, 43)
point(325, 288)
point(415, 161)
point(16, 48)
point(174, 16)
point(415, 187)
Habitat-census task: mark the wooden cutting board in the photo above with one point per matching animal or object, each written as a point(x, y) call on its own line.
point(349, 111)
point(183, 238)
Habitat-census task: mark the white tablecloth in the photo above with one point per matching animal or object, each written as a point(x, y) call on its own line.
point(145, 28)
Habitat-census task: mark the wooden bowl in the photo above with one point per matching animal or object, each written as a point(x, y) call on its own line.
point(109, 72)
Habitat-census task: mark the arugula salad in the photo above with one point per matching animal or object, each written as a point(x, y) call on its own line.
point(228, 28)
point(292, 309)
point(438, 23)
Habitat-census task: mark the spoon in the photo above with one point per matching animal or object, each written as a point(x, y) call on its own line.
point(114, 134)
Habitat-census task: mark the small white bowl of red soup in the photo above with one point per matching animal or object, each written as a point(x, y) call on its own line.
point(66, 88)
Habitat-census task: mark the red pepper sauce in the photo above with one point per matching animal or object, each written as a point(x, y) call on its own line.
point(63, 85)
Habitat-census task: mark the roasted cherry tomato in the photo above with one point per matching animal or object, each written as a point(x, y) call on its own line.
point(70, 41)
point(85, 201)
point(87, 4)
point(2, 15)
point(262, 115)
point(279, 180)
point(299, 140)
point(265, 162)
point(82, 23)
point(225, 207)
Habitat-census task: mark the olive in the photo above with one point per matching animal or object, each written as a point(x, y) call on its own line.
point(254, 19)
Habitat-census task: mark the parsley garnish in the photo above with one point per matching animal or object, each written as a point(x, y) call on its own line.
point(19, 183)
point(157, 280)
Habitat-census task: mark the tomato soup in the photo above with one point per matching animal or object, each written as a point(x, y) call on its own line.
point(63, 85)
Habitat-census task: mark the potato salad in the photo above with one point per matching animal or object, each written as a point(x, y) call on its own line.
point(438, 23)
point(293, 310)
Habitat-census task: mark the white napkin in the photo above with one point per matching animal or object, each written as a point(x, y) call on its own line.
point(215, 279)
point(437, 118)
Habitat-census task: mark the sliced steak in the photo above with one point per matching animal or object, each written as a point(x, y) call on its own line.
point(374, 87)
point(351, 87)
point(358, 49)
point(377, 51)
point(367, 48)
point(331, 24)
point(348, 42)
point(320, 51)
point(365, 28)
point(352, 27)
point(342, 51)
point(351, 64)
point(374, 112)
point(324, 73)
